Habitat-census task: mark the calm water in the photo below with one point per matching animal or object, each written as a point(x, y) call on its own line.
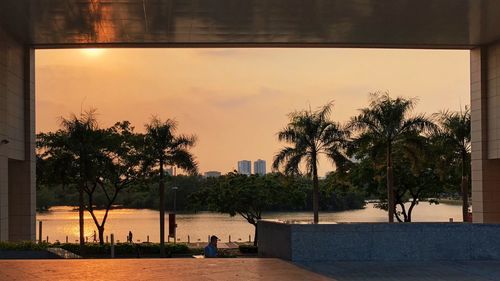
point(62, 221)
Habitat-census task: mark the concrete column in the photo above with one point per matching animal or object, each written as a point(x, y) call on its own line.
point(17, 126)
point(4, 196)
point(485, 131)
point(22, 181)
point(5, 150)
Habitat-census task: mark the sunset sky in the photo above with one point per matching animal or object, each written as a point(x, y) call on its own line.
point(236, 100)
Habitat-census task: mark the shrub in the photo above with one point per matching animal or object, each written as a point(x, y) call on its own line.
point(248, 249)
point(127, 249)
point(23, 246)
point(225, 253)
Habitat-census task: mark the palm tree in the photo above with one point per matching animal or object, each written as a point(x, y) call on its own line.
point(162, 147)
point(310, 134)
point(454, 137)
point(387, 123)
point(72, 148)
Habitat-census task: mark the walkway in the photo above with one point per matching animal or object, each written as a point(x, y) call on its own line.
point(155, 269)
point(244, 269)
point(408, 271)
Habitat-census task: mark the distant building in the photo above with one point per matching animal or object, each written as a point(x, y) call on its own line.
point(259, 167)
point(212, 174)
point(171, 171)
point(245, 167)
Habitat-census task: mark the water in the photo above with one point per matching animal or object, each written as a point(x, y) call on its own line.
point(62, 221)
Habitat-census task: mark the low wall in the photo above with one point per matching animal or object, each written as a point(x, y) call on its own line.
point(18, 255)
point(276, 241)
point(379, 241)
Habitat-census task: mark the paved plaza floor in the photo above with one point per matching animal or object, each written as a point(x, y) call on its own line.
point(243, 269)
point(154, 269)
point(408, 271)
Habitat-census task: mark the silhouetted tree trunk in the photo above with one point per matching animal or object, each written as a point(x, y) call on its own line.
point(465, 198)
point(162, 211)
point(81, 208)
point(90, 207)
point(315, 189)
point(414, 202)
point(100, 229)
point(464, 189)
point(255, 236)
point(407, 215)
point(390, 185)
point(253, 218)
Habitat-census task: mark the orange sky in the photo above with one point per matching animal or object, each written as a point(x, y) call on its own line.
point(236, 100)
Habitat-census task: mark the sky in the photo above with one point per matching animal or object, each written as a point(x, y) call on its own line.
point(236, 100)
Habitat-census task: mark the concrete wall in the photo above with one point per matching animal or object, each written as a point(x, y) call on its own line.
point(17, 125)
point(485, 133)
point(4, 197)
point(277, 241)
point(380, 241)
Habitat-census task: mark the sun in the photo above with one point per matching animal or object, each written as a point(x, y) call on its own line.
point(92, 52)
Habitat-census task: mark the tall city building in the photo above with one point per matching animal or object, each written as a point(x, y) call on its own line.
point(259, 167)
point(245, 167)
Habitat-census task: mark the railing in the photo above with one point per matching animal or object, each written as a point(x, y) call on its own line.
point(185, 239)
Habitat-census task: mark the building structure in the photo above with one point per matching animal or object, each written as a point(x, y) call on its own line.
point(245, 167)
point(171, 171)
point(212, 174)
point(259, 167)
point(425, 24)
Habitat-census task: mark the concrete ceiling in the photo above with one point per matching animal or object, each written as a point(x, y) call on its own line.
point(286, 23)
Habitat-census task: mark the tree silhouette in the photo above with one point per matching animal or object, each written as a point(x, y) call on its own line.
point(387, 123)
point(310, 134)
point(162, 147)
point(453, 136)
point(73, 151)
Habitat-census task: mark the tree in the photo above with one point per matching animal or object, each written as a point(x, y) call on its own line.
point(118, 168)
point(339, 195)
point(453, 136)
point(247, 196)
point(415, 179)
point(311, 134)
point(72, 151)
point(387, 123)
point(162, 147)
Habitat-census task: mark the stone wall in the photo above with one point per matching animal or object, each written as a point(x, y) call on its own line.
point(380, 241)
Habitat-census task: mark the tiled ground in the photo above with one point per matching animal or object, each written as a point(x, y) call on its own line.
point(408, 271)
point(154, 269)
point(245, 269)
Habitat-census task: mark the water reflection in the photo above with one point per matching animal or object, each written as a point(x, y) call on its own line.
point(62, 221)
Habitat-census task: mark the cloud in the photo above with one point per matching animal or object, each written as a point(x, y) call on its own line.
point(238, 100)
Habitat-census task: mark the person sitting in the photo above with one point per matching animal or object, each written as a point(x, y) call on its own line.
point(211, 248)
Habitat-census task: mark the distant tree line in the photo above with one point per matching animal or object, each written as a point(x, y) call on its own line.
point(144, 194)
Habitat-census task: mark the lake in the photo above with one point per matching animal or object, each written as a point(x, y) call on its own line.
point(62, 221)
